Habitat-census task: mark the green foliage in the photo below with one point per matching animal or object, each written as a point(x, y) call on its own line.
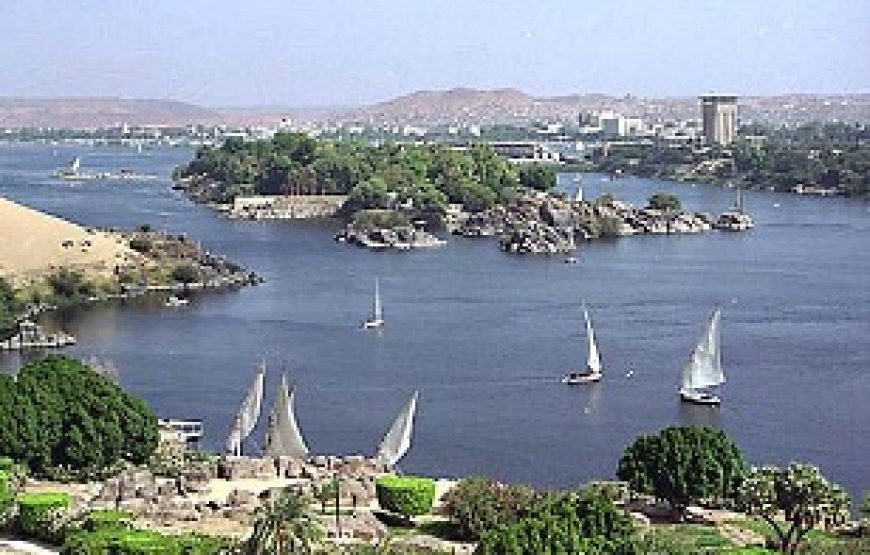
point(60, 413)
point(683, 465)
point(405, 495)
point(186, 273)
point(7, 497)
point(70, 287)
point(284, 524)
point(9, 309)
point(124, 541)
point(39, 515)
point(477, 505)
point(800, 493)
point(564, 523)
point(538, 176)
point(420, 178)
point(664, 201)
point(378, 219)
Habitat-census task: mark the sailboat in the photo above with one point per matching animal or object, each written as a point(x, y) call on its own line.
point(377, 318)
point(593, 359)
point(704, 369)
point(249, 413)
point(283, 438)
point(398, 439)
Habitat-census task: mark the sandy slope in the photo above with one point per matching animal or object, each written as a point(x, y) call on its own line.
point(32, 244)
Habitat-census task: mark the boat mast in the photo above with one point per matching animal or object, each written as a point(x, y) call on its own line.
point(378, 311)
point(249, 412)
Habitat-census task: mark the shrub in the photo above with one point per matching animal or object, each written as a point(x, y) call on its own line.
point(108, 518)
point(140, 244)
point(564, 523)
point(7, 498)
point(41, 515)
point(664, 201)
point(186, 273)
point(406, 495)
point(477, 505)
point(119, 541)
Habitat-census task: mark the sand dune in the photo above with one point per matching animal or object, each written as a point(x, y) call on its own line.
point(33, 243)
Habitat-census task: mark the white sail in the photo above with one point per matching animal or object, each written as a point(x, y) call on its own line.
point(578, 194)
point(398, 439)
point(283, 438)
point(704, 368)
point(249, 412)
point(75, 164)
point(378, 311)
point(593, 360)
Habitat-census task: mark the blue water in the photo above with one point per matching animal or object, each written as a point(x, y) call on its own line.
point(485, 336)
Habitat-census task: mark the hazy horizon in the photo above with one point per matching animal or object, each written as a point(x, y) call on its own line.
point(306, 55)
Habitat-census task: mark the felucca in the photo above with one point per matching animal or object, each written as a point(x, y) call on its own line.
point(704, 369)
point(593, 359)
point(377, 318)
point(397, 441)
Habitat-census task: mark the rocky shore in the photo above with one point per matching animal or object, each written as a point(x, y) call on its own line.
point(401, 238)
point(541, 223)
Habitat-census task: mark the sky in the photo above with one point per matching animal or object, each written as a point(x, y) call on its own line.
point(346, 52)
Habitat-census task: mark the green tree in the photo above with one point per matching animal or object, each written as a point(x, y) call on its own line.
point(564, 523)
point(284, 524)
point(800, 493)
point(683, 465)
point(58, 413)
point(664, 201)
point(537, 176)
point(9, 309)
point(477, 505)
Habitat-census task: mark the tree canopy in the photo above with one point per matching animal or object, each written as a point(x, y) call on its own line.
point(683, 465)
point(58, 413)
point(583, 522)
point(423, 177)
point(800, 493)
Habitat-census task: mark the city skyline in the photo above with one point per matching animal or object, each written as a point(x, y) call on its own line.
point(343, 54)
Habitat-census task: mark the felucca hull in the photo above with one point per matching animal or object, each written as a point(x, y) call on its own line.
point(699, 397)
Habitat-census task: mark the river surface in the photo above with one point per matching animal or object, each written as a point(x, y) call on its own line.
point(485, 336)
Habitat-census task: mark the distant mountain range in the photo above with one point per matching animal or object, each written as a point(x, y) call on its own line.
point(424, 108)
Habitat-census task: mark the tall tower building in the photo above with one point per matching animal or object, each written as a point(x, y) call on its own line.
point(720, 118)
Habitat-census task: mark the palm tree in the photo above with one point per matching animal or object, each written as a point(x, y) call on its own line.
point(284, 524)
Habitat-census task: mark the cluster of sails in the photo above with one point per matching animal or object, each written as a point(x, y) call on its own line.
point(702, 372)
point(283, 437)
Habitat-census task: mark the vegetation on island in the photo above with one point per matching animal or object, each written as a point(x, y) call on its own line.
point(833, 156)
point(421, 178)
point(62, 419)
point(10, 307)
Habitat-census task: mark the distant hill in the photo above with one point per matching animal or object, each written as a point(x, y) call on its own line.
point(426, 108)
point(467, 106)
point(87, 112)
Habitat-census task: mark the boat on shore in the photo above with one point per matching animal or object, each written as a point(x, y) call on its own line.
point(735, 219)
point(704, 369)
point(593, 359)
point(31, 336)
point(175, 302)
point(377, 318)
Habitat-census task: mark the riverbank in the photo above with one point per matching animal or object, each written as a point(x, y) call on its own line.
point(51, 263)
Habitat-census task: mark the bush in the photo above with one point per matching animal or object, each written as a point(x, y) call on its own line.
point(564, 523)
point(185, 273)
point(120, 541)
point(100, 519)
point(477, 505)
point(140, 244)
point(664, 201)
point(40, 515)
point(7, 498)
point(406, 495)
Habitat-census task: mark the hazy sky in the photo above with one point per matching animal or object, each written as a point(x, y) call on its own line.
point(301, 52)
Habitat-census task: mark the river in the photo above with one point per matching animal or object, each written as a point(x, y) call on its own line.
point(485, 336)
